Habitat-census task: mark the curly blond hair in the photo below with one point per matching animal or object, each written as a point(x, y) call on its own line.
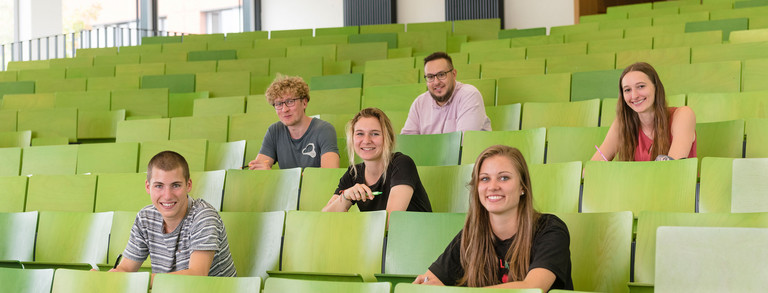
point(291, 85)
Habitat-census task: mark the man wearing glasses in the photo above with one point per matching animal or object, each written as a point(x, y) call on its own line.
point(448, 105)
point(297, 140)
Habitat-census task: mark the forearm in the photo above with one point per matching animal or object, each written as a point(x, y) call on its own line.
point(337, 204)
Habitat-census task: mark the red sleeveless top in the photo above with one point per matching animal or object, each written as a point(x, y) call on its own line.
point(644, 143)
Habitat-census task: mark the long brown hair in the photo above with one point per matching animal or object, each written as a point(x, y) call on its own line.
point(478, 257)
point(386, 131)
point(629, 121)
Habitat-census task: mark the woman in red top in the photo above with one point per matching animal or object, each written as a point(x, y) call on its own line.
point(645, 128)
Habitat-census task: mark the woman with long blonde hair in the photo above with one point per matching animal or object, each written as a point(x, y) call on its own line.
point(385, 180)
point(505, 243)
point(645, 129)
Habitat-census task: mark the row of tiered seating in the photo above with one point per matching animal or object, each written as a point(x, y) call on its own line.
point(202, 96)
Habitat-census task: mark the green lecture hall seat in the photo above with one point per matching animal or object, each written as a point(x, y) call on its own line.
point(225, 155)
point(143, 130)
point(312, 251)
point(31, 281)
point(261, 190)
point(218, 106)
point(757, 133)
point(70, 281)
point(334, 101)
point(567, 144)
point(74, 193)
point(530, 142)
point(100, 158)
point(447, 198)
point(392, 97)
point(433, 231)
point(121, 192)
point(339, 81)
point(183, 104)
point(443, 148)
point(46, 123)
point(57, 159)
point(181, 283)
point(72, 239)
point(564, 114)
point(413, 288)
point(18, 236)
point(557, 186)
point(534, 88)
point(254, 241)
point(274, 285)
point(141, 102)
point(317, 187)
point(748, 185)
point(14, 195)
point(716, 185)
point(504, 117)
point(10, 161)
point(193, 150)
point(175, 83)
point(212, 128)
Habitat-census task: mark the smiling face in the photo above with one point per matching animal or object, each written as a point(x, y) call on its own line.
point(441, 90)
point(290, 115)
point(499, 186)
point(638, 91)
point(368, 138)
point(168, 191)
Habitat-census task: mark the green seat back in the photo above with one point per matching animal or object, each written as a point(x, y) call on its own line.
point(31, 281)
point(66, 281)
point(433, 232)
point(175, 83)
point(113, 60)
point(497, 55)
point(443, 151)
point(478, 29)
point(317, 186)
point(261, 190)
point(728, 106)
point(594, 84)
point(392, 97)
point(304, 67)
point(191, 67)
point(656, 57)
point(688, 39)
point(212, 55)
point(15, 139)
point(725, 52)
point(125, 82)
point(193, 150)
point(753, 74)
point(274, 285)
point(518, 33)
point(143, 130)
point(551, 50)
point(18, 236)
point(43, 160)
point(391, 77)
point(225, 155)
point(182, 104)
point(251, 128)
point(14, 195)
point(534, 88)
point(617, 45)
point(69, 193)
point(504, 117)
point(720, 139)
point(257, 66)
point(564, 114)
point(218, 106)
point(224, 84)
point(724, 25)
point(341, 81)
point(107, 158)
point(98, 124)
point(757, 135)
point(17, 87)
point(73, 237)
point(567, 144)
point(557, 186)
point(646, 186)
point(254, 241)
point(444, 197)
point(715, 187)
point(182, 283)
point(10, 161)
point(144, 102)
point(714, 77)
point(82, 100)
point(60, 85)
point(212, 128)
point(486, 87)
point(358, 53)
point(579, 63)
point(530, 142)
point(500, 69)
point(50, 123)
point(122, 192)
point(334, 101)
point(358, 251)
point(748, 185)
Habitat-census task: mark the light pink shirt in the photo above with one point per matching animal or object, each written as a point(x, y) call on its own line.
point(463, 111)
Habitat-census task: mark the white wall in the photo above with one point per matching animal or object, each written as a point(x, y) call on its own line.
point(409, 11)
point(522, 14)
point(301, 14)
point(39, 18)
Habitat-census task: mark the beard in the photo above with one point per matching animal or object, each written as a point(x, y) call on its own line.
point(443, 98)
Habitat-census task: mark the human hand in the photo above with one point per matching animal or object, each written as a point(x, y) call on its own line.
point(258, 165)
point(358, 192)
point(428, 278)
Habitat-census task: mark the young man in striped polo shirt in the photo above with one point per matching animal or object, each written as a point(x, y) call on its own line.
point(181, 235)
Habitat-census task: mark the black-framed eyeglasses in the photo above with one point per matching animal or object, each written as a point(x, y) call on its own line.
point(440, 75)
point(289, 103)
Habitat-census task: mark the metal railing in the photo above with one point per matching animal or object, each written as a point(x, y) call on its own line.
point(66, 45)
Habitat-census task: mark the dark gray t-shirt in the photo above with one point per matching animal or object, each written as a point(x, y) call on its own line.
point(306, 151)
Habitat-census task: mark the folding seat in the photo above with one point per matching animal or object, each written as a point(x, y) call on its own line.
point(504, 117)
point(140, 49)
point(534, 88)
point(71, 239)
point(338, 101)
point(305, 67)
point(251, 128)
point(190, 67)
point(325, 40)
point(17, 243)
point(193, 150)
point(389, 38)
point(254, 241)
point(626, 23)
point(443, 148)
point(665, 186)
point(17, 87)
point(567, 144)
point(712, 77)
point(251, 36)
point(486, 87)
point(660, 30)
point(261, 190)
point(749, 36)
point(478, 29)
point(258, 66)
point(21, 65)
point(184, 47)
point(649, 222)
point(557, 186)
point(40, 160)
point(218, 106)
point(617, 45)
point(392, 97)
point(164, 57)
point(223, 84)
point(182, 283)
point(724, 25)
point(351, 256)
point(328, 52)
point(82, 61)
point(564, 114)
point(433, 231)
point(60, 85)
point(14, 195)
point(728, 106)
point(261, 52)
point(656, 57)
point(66, 281)
point(686, 262)
point(97, 158)
point(214, 55)
point(7, 76)
point(141, 102)
point(681, 18)
point(182, 104)
point(36, 74)
point(175, 83)
point(441, 26)
point(94, 72)
point(358, 53)
point(225, 155)
point(125, 82)
point(716, 184)
point(382, 28)
point(93, 52)
point(567, 49)
point(31, 281)
point(726, 52)
point(753, 74)
point(122, 192)
point(486, 45)
point(607, 34)
point(530, 143)
point(74, 193)
point(282, 285)
point(601, 245)
point(333, 31)
point(230, 45)
point(500, 69)
point(536, 41)
point(340, 81)
point(295, 33)
point(423, 42)
point(688, 39)
point(8, 120)
point(277, 43)
point(517, 33)
point(591, 62)
point(116, 59)
point(28, 101)
point(140, 69)
point(497, 55)
point(749, 185)
point(594, 84)
point(318, 185)
point(160, 39)
point(570, 29)
point(656, 11)
point(720, 139)
point(143, 130)
point(390, 64)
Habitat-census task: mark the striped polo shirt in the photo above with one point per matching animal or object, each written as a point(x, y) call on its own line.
point(201, 229)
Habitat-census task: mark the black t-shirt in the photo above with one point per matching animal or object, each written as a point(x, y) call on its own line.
point(550, 251)
point(401, 171)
